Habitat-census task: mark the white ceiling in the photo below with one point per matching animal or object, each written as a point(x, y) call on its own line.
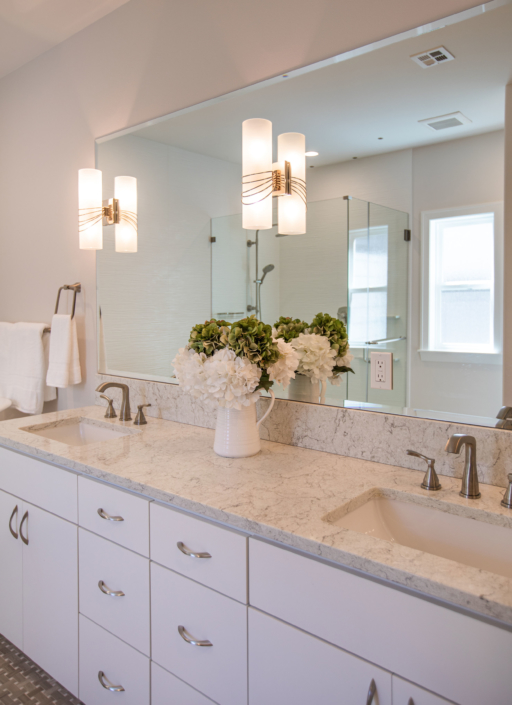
point(345, 107)
point(30, 27)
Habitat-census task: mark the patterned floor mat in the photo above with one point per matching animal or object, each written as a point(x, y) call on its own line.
point(22, 682)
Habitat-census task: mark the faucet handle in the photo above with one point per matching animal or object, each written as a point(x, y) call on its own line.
point(507, 497)
point(110, 413)
point(140, 419)
point(431, 480)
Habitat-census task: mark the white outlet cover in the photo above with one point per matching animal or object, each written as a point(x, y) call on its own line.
point(381, 370)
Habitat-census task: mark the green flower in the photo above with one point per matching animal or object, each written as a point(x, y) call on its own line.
point(209, 336)
point(288, 328)
point(336, 332)
point(253, 339)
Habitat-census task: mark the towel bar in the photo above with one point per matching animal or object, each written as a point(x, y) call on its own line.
point(76, 289)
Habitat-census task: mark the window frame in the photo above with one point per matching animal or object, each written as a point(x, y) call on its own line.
point(427, 352)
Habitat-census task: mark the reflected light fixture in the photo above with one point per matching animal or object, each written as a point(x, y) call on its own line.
point(94, 213)
point(311, 154)
point(262, 179)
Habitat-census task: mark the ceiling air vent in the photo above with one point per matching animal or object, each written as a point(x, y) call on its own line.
point(433, 57)
point(443, 122)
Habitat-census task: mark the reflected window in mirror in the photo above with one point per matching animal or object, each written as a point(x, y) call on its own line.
point(463, 250)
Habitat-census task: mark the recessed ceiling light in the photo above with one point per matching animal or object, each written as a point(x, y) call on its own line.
point(311, 154)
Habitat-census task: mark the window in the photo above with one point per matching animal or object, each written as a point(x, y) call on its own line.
point(368, 289)
point(462, 254)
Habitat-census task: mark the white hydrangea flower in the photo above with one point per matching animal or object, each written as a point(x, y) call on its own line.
point(223, 378)
point(283, 370)
point(316, 357)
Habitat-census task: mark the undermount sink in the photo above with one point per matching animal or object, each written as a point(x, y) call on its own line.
point(79, 431)
point(436, 531)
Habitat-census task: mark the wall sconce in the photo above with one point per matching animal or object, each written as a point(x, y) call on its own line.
point(262, 179)
point(94, 213)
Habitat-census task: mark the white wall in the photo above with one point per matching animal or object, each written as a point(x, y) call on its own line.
point(462, 172)
point(146, 59)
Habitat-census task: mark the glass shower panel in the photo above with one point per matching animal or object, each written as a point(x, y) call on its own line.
point(377, 295)
point(230, 280)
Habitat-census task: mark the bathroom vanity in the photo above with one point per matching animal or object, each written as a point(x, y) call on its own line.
point(145, 569)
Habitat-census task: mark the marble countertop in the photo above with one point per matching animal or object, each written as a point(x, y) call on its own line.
point(284, 494)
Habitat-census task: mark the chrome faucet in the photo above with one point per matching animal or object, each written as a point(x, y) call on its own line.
point(124, 412)
point(470, 488)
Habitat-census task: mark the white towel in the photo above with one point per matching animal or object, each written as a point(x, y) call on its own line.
point(64, 367)
point(23, 365)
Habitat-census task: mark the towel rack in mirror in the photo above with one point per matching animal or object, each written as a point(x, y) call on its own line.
point(76, 289)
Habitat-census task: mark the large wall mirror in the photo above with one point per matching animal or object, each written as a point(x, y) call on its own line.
point(404, 229)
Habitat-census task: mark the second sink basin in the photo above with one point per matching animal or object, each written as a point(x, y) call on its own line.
point(441, 533)
point(79, 431)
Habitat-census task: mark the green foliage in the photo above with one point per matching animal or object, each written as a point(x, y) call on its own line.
point(288, 328)
point(333, 329)
point(336, 332)
point(209, 336)
point(252, 339)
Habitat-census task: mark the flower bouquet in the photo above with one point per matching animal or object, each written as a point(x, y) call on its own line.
point(227, 365)
point(323, 350)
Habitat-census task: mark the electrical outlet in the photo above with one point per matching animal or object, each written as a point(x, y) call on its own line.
point(381, 370)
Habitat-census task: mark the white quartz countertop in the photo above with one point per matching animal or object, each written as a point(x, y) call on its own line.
point(281, 494)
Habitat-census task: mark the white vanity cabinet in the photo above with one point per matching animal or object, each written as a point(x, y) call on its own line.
point(11, 573)
point(39, 577)
point(287, 665)
point(463, 659)
point(405, 693)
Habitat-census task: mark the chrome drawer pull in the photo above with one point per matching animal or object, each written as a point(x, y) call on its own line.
point(108, 685)
point(104, 515)
point(107, 591)
point(14, 514)
point(190, 639)
point(371, 693)
point(190, 553)
point(25, 518)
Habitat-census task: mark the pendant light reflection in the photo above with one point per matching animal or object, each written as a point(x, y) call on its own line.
point(291, 209)
point(257, 174)
point(262, 180)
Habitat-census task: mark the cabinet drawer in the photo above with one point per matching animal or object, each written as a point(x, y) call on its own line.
point(289, 666)
point(41, 484)
point(131, 529)
point(100, 652)
point(218, 671)
point(225, 570)
point(166, 689)
point(127, 615)
point(434, 646)
point(404, 692)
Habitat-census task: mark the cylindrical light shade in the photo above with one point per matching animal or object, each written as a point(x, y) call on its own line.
point(291, 147)
point(125, 190)
point(90, 201)
point(257, 169)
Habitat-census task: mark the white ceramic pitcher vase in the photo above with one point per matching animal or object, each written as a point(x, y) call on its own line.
point(237, 432)
point(302, 389)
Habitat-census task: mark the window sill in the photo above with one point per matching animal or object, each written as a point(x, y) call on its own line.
point(461, 357)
